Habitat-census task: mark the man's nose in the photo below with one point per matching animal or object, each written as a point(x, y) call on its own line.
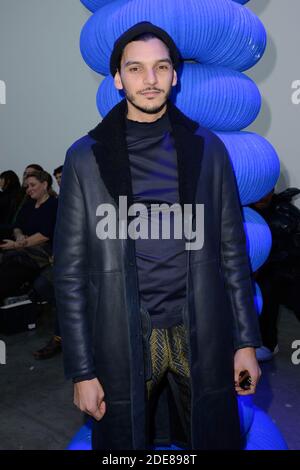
point(150, 77)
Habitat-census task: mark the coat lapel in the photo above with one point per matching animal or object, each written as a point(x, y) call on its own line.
point(111, 154)
point(189, 148)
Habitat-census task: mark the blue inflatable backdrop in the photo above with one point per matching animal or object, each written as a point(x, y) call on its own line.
point(94, 5)
point(258, 299)
point(218, 32)
point(259, 432)
point(258, 236)
point(255, 162)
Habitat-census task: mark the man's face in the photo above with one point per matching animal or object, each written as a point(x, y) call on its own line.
point(146, 76)
point(58, 178)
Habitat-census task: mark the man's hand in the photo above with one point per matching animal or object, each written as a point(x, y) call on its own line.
point(245, 359)
point(8, 245)
point(89, 397)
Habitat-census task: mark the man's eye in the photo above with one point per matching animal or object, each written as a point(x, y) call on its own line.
point(134, 69)
point(163, 67)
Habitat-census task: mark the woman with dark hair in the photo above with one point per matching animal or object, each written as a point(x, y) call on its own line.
point(34, 168)
point(31, 249)
point(9, 196)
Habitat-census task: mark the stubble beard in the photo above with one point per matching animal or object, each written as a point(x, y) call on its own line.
point(145, 109)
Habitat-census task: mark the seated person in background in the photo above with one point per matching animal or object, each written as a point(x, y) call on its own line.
point(10, 197)
point(58, 174)
point(279, 277)
point(53, 346)
point(24, 257)
point(32, 168)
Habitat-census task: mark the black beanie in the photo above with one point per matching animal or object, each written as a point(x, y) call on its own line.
point(136, 30)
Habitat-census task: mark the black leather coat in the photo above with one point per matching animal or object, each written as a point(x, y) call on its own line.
point(97, 291)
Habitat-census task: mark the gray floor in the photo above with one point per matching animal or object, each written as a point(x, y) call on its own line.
point(36, 410)
point(279, 390)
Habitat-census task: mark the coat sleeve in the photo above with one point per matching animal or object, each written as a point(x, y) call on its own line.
point(235, 263)
point(71, 274)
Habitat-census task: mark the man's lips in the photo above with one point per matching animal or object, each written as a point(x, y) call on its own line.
point(151, 93)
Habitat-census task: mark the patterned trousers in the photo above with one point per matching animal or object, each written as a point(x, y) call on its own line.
point(169, 359)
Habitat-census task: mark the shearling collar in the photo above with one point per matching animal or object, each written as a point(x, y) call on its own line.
point(116, 118)
point(111, 154)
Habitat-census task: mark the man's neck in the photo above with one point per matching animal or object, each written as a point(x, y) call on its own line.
point(135, 114)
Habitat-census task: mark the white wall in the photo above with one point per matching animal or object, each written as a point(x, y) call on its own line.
point(279, 119)
point(51, 93)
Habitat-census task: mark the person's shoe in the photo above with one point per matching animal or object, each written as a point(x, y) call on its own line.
point(265, 354)
point(52, 348)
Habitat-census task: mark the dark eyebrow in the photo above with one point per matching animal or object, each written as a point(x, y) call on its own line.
point(135, 62)
point(165, 60)
point(130, 62)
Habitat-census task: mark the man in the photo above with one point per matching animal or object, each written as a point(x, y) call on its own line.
point(57, 173)
point(154, 335)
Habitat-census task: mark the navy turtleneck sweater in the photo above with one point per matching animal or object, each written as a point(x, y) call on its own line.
point(161, 263)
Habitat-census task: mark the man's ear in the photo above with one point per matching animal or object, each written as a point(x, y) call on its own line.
point(174, 82)
point(118, 81)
